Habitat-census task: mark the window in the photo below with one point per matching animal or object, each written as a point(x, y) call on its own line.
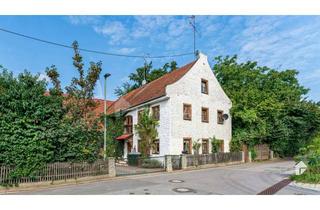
point(156, 112)
point(156, 148)
point(128, 124)
point(204, 114)
point(220, 117)
point(140, 114)
point(204, 86)
point(187, 111)
point(187, 146)
point(205, 146)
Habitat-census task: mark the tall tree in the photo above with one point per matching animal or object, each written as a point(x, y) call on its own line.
point(269, 106)
point(147, 73)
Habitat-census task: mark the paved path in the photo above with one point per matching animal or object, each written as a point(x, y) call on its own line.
point(232, 180)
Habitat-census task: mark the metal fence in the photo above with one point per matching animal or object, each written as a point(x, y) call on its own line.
point(56, 171)
point(203, 159)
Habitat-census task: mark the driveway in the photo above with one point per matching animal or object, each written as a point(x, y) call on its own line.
point(248, 179)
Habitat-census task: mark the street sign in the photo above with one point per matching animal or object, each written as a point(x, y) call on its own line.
point(300, 168)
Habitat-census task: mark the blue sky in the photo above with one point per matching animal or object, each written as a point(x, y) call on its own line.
point(280, 42)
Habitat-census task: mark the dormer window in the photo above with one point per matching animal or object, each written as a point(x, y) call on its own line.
point(204, 86)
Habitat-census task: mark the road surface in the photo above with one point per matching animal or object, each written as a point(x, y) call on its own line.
point(247, 179)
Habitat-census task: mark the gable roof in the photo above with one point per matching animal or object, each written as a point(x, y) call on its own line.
point(149, 91)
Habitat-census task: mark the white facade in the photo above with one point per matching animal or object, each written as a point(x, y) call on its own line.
point(172, 127)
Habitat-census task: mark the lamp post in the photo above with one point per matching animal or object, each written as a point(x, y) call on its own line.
point(105, 116)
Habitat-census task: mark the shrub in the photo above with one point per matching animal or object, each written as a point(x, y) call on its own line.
point(151, 163)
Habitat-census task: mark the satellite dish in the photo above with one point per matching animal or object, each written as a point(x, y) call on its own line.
point(225, 116)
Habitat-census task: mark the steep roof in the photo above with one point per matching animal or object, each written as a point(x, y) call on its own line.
point(149, 91)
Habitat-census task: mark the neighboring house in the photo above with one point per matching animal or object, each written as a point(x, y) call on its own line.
point(189, 104)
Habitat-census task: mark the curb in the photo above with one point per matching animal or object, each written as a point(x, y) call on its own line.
point(314, 187)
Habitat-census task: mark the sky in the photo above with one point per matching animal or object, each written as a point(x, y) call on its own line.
point(280, 42)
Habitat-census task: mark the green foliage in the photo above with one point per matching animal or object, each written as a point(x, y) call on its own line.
point(27, 122)
point(253, 153)
point(311, 156)
point(307, 177)
point(37, 128)
point(114, 129)
point(151, 163)
point(144, 72)
point(269, 106)
point(146, 128)
point(196, 146)
point(215, 144)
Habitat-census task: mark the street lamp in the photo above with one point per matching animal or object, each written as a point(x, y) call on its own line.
point(105, 116)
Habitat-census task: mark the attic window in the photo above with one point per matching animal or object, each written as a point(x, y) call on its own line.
point(204, 86)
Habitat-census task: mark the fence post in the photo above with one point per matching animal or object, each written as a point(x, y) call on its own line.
point(271, 155)
point(249, 157)
point(243, 158)
point(168, 163)
point(183, 161)
point(111, 167)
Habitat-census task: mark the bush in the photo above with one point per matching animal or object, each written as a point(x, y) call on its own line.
point(311, 156)
point(307, 177)
point(151, 163)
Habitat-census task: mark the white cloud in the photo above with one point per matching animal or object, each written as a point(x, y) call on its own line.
point(126, 50)
point(84, 19)
point(43, 76)
point(114, 30)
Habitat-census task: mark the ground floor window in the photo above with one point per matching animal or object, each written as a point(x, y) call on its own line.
point(187, 146)
point(156, 147)
point(205, 146)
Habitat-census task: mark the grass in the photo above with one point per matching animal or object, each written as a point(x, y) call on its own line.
point(307, 177)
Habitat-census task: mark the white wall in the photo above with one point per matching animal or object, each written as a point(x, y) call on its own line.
point(163, 128)
point(188, 90)
point(173, 128)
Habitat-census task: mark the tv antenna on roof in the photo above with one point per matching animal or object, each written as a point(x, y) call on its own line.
point(144, 81)
point(192, 22)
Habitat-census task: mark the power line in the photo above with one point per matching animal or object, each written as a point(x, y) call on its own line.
point(91, 51)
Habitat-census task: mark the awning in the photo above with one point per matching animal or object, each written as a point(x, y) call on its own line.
point(124, 137)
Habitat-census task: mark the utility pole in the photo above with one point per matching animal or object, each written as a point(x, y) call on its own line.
point(192, 22)
point(105, 116)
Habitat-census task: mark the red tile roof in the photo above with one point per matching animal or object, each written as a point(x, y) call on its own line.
point(99, 109)
point(149, 91)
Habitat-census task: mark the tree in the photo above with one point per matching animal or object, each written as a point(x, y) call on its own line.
point(146, 128)
point(196, 146)
point(147, 73)
point(215, 144)
point(82, 134)
point(29, 122)
point(80, 92)
point(269, 106)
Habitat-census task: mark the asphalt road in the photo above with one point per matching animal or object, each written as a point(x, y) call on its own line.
point(245, 179)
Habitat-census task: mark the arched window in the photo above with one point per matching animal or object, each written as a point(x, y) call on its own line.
point(128, 124)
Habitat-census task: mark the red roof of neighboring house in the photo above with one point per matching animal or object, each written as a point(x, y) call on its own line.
point(99, 109)
point(100, 105)
point(149, 91)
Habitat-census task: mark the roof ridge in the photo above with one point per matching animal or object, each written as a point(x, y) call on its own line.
point(173, 71)
point(151, 90)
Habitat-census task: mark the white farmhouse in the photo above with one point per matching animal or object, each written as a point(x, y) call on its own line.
point(189, 104)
